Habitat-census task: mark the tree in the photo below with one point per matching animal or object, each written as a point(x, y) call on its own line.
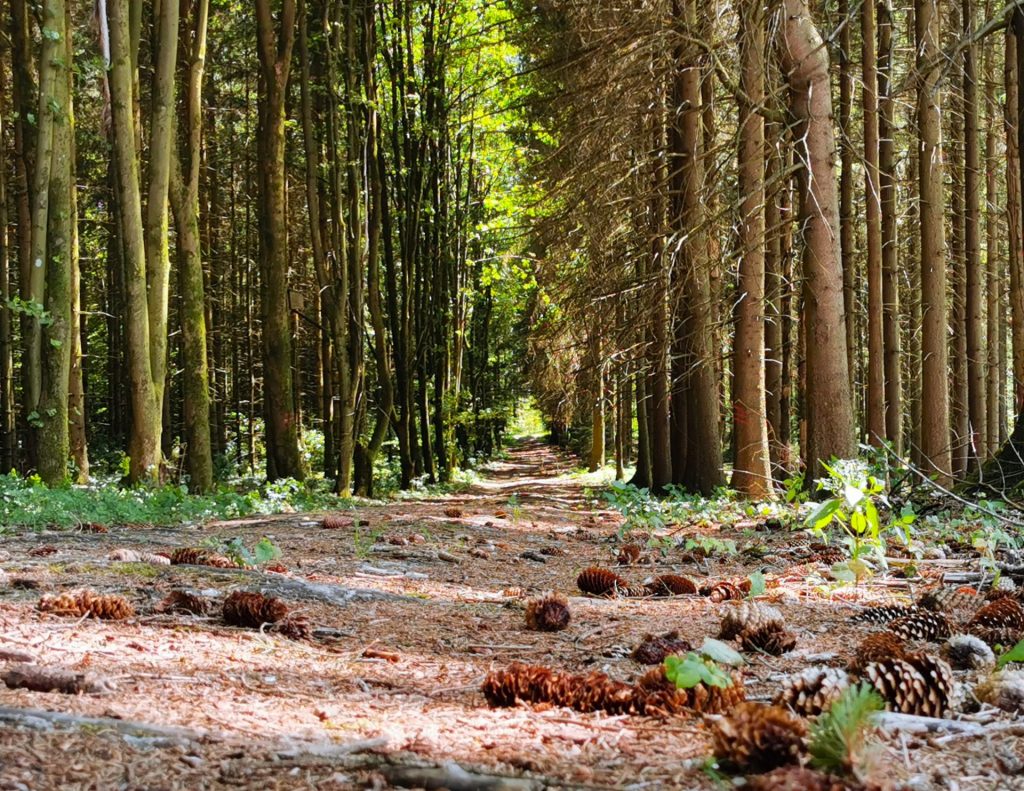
point(829, 409)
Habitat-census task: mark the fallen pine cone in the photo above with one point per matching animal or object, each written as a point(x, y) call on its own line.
point(337, 522)
point(43, 551)
point(49, 679)
point(722, 591)
point(801, 778)
point(453, 512)
point(183, 601)
point(921, 625)
point(600, 582)
point(661, 697)
point(294, 627)
point(883, 613)
point(671, 585)
point(916, 684)
point(252, 610)
point(1004, 690)
point(549, 613)
point(755, 737)
point(770, 637)
point(738, 617)
point(968, 652)
point(134, 556)
point(192, 556)
point(652, 649)
point(1004, 613)
point(76, 604)
point(877, 647)
point(813, 690)
point(629, 554)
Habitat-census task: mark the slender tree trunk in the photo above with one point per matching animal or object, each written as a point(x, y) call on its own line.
point(829, 412)
point(185, 163)
point(891, 338)
point(274, 47)
point(994, 313)
point(76, 386)
point(7, 422)
point(935, 368)
point(876, 428)
point(751, 474)
point(846, 208)
point(1015, 262)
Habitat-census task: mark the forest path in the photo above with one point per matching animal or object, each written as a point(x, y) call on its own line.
point(411, 603)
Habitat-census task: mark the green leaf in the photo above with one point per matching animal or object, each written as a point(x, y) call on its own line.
point(757, 584)
point(858, 522)
point(265, 551)
point(720, 652)
point(684, 672)
point(843, 572)
point(822, 515)
point(1015, 654)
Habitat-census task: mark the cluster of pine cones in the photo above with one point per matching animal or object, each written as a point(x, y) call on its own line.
point(598, 581)
point(653, 694)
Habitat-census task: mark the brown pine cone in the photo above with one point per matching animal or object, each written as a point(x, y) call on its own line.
point(600, 582)
point(917, 684)
point(294, 627)
point(538, 684)
point(635, 591)
point(549, 613)
point(453, 512)
point(1005, 613)
point(183, 601)
point(629, 554)
point(87, 602)
point(755, 737)
point(801, 778)
point(883, 613)
point(738, 617)
point(953, 602)
point(876, 647)
point(770, 637)
point(922, 625)
point(652, 650)
point(968, 652)
point(193, 556)
point(1005, 636)
point(813, 690)
point(671, 585)
point(659, 697)
point(722, 591)
point(337, 522)
point(252, 610)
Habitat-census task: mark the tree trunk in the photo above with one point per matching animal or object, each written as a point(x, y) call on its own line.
point(935, 447)
point(829, 412)
point(274, 47)
point(751, 474)
point(846, 208)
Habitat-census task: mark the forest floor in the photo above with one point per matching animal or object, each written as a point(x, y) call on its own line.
point(410, 611)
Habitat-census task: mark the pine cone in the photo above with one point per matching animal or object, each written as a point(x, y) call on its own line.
point(294, 627)
point(87, 602)
point(813, 691)
point(549, 613)
point(453, 512)
point(1005, 613)
point(755, 737)
point(722, 591)
point(538, 684)
point(1004, 636)
point(600, 582)
point(922, 625)
point(876, 647)
point(671, 585)
point(629, 554)
point(1004, 690)
point(252, 610)
point(652, 650)
point(771, 638)
point(337, 522)
point(740, 616)
point(968, 652)
point(192, 556)
point(917, 684)
point(953, 602)
point(183, 601)
point(883, 614)
point(659, 697)
point(800, 778)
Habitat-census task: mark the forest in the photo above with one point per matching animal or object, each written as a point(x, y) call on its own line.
point(511, 394)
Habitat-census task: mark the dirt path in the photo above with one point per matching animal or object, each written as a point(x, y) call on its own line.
point(391, 675)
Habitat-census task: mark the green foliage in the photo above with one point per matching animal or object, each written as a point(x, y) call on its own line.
point(855, 492)
point(261, 553)
point(688, 671)
point(27, 503)
point(711, 545)
point(721, 652)
point(641, 510)
point(796, 492)
point(1015, 654)
point(839, 737)
point(757, 585)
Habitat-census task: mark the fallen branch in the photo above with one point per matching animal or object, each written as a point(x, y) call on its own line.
point(34, 718)
point(49, 679)
point(894, 721)
point(453, 777)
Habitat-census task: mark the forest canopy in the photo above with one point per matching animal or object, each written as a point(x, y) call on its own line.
point(717, 242)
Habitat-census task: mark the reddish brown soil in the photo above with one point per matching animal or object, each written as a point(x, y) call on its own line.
point(400, 677)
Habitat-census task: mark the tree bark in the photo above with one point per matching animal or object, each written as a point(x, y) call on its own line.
point(751, 474)
point(829, 412)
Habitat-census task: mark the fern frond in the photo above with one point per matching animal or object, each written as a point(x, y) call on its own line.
point(839, 736)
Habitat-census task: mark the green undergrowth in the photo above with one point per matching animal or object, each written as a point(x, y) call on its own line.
point(27, 503)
